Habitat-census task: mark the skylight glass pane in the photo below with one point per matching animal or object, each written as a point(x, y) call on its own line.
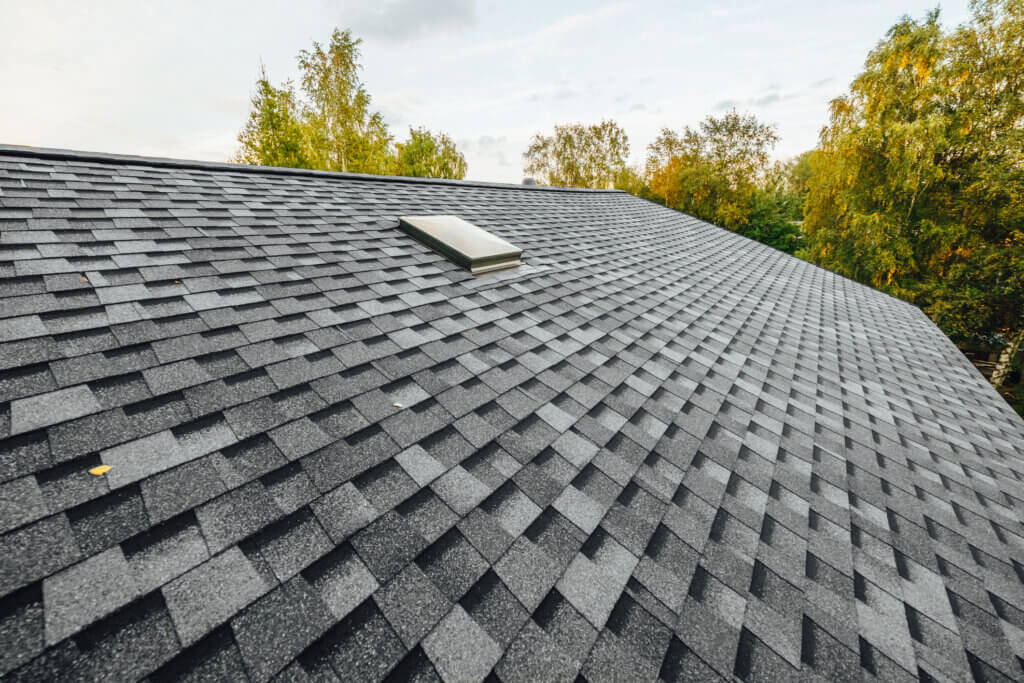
point(462, 242)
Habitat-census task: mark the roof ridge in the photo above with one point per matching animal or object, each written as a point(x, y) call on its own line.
point(195, 164)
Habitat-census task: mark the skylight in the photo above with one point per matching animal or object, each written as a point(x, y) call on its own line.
point(462, 242)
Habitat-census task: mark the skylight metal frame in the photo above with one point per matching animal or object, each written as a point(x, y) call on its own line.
point(462, 242)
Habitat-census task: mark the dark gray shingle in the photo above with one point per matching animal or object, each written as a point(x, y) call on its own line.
point(209, 594)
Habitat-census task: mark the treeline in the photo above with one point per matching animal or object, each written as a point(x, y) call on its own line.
point(327, 123)
point(720, 172)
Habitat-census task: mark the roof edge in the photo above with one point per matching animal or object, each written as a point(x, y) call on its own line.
point(56, 154)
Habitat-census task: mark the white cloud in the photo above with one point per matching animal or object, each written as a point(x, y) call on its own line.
point(544, 40)
point(403, 19)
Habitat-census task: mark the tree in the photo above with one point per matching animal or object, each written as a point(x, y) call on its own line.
point(918, 185)
point(798, 173)
point(274, 135)
point(775, 209)
point(426, 155)
point(629, 179)
point(347, 136)
point(720, 172)
point(1010, 350)
point(331, 126)
point(577, 155)
point(792, 177)
point(712, 172)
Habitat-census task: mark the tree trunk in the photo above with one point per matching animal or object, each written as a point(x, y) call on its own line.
point(1006, 358)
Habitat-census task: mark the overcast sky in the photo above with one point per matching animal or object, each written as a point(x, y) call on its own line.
point(174, 79)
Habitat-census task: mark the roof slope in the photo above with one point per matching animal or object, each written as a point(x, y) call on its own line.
point(656, 449)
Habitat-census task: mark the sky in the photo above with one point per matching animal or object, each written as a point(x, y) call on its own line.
point(174, 79)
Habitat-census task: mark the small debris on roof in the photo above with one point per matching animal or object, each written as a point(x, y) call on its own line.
point(99, 470)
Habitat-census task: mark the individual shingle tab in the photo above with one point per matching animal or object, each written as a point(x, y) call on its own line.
point(420, 465)
point(460, 649)
point(85, 592)
point(44, 410)
point(492, 605)
point(236, 514)
point(279, 626)
point(291, 544)
point(143, 457)
point(21, 502)
point(342, 580)
point(412, 604)
point(579, 508)
point(182, 488)
point(23, 327)
point(213, 591)
point(36, 550)
point(533, 656)
point(22, 627)
point(344, 511)
point(460, 490)
point(109, 519)
point(175, 376)
point(299, 438)
point(165, 552)
point(528, 572)
point(88, 434)
point(26, 381)
point(387, 545)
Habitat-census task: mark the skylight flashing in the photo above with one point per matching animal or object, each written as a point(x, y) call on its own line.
point(462, 242)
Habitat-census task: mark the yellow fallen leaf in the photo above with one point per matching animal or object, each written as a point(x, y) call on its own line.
point(397, 405)
point(99, 470)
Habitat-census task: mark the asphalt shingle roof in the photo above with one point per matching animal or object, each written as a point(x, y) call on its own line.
point(656, 449)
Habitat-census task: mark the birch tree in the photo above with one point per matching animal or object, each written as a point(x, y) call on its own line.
point(578, 155)
point(329, 123)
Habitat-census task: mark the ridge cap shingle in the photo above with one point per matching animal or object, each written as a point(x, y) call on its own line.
point(74, 155)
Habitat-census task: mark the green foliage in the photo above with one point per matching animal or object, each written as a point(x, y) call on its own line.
point(274, 134)
point(793, 177)
point(332, 127)
point(630, 180)
point(346, 135)
point(918, 185)
point(577, 155)
point(773, 213)
point(719, 172)
point(425, 155)
point(1014, 391)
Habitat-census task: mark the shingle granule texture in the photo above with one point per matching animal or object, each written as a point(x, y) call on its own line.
point(654, 450)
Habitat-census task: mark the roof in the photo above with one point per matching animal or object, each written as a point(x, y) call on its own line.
point(654, 449)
